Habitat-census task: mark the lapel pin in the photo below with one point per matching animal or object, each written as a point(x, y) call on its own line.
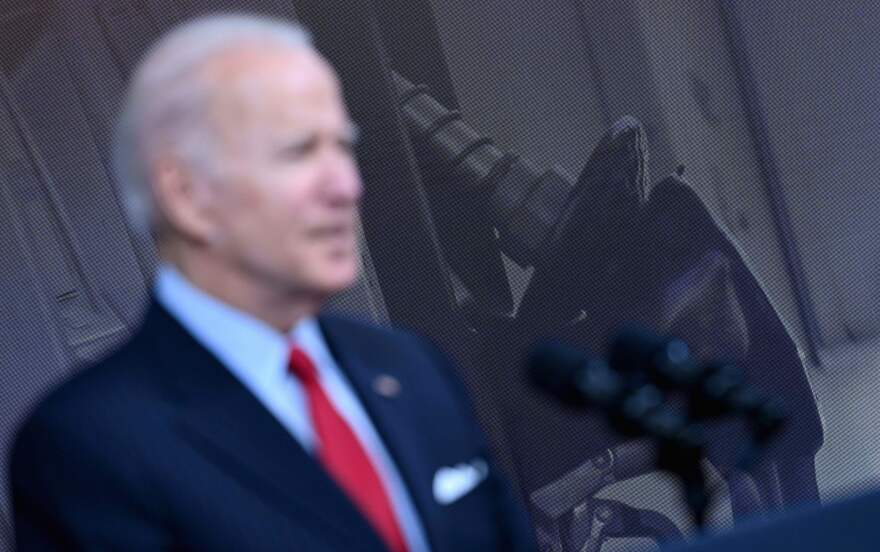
point(387, 386)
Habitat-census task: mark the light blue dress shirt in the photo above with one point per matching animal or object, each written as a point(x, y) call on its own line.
point(257, 355)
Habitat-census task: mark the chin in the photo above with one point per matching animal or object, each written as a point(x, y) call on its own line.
point(337, 278)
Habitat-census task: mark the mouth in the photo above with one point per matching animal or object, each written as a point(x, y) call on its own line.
point(333, 231)
point(335, 236)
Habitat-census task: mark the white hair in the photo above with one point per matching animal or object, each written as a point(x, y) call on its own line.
point(165, 102)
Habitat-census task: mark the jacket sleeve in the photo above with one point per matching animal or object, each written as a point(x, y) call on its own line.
point(75, 488)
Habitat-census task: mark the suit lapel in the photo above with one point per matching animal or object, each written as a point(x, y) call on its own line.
point(227, 424)
point(396, 416)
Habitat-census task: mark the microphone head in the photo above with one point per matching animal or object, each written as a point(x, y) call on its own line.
point(633, 350)
point(665, 361)
point(573, 377)
point(552, 368)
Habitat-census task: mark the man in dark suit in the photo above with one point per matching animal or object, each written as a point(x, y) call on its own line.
point(237, 417)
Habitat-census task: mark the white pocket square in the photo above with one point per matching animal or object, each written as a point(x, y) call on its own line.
point(450, 484)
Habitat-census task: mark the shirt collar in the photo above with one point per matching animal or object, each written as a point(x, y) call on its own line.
point(246, 345)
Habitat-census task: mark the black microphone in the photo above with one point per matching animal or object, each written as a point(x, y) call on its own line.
point(666, 362)
point(573, 377)
point(632, 404)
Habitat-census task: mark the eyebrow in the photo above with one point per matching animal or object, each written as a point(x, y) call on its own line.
point(351, 133)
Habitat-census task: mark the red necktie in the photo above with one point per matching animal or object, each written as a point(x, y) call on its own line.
point(344, 457)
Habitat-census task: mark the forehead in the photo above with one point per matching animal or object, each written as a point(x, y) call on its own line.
point(266, 87)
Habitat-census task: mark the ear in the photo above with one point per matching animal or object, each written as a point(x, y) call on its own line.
point(183, 199)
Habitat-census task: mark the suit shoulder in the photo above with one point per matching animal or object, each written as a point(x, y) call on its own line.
point(100, 392)
point(95, 429)
point(346, 322)
point(400, 343)
point(382, 341)
point(368, 332)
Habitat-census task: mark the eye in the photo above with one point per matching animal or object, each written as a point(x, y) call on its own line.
point(346, 144)
point(299, 149)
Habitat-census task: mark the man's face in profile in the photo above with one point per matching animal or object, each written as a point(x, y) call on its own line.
point(285, 188)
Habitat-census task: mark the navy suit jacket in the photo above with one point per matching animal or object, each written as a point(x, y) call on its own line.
point(159, 447)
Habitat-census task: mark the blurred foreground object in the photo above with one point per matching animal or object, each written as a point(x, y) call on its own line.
point(651, 387)
point(849, 525)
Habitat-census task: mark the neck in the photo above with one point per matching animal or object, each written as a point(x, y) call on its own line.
point(273, 303)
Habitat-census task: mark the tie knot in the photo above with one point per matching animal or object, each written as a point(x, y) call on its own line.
point(302, 366)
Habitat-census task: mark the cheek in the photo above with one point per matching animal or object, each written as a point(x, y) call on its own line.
point(271, 207)
point(249, 225)
point(272, 211)
point(287, 222)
